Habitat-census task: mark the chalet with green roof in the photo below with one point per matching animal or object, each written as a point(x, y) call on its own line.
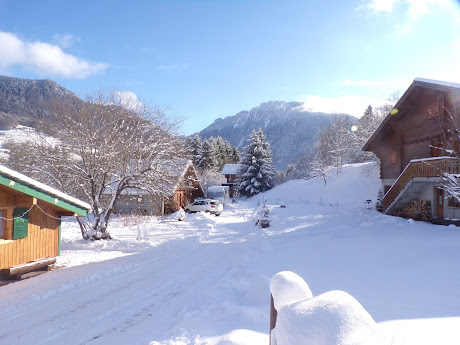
point(30, 221)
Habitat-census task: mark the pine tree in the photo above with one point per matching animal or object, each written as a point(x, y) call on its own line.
point(235, 155)
point(197, 149)
point(220, 150)
point(257, 172)
point(208, 158)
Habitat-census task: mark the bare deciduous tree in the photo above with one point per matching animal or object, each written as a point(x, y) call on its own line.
point(96, 149)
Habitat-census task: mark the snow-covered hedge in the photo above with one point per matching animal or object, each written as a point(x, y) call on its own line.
point(333, 318)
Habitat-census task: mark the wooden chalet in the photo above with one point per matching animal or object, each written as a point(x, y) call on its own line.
point(231, 173)
point(30, 224)
point(416, 144)
point(180, 192)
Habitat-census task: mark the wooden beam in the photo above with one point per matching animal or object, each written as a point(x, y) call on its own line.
point(6, 207)
point(24, 200)
point(31, 266)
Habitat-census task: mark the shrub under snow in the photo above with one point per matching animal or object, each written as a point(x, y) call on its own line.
point(287, 287)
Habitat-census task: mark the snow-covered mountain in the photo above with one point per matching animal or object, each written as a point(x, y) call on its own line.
point(291, 130)
point(23, 101)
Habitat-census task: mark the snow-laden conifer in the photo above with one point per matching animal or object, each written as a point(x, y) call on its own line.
point(256, 172)
point(197, 149)
point(208, 158)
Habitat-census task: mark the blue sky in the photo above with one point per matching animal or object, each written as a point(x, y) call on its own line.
point(209, 59)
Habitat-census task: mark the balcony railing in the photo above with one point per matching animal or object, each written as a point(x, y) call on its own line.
point(428, 167)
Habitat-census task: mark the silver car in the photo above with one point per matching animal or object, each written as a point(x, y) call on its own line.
point(206, 205)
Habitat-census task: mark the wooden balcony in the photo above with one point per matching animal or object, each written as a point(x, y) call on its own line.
point(420, 168)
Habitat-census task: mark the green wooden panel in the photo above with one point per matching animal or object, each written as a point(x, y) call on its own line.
point(21, 187)
point(21, 224)
point(59, 242)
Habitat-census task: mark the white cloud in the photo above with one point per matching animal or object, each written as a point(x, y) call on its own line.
point(129, 100)
point(415, 8)
point(353, 105)
point(418, 8)
point(44, 58)
point(12, 49)
point(65, 41)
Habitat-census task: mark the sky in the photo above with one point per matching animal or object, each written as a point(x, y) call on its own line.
point(203, 60)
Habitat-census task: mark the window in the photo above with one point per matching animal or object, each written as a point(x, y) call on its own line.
point(393, 157)
point(437, 148)
point(456, 147)
point(453, 202)
point(433, 111)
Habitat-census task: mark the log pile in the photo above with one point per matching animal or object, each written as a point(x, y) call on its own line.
point(417, 210)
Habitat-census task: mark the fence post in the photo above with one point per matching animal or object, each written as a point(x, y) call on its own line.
point(273, 317)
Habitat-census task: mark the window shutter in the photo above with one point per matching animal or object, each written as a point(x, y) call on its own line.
point(20, 225)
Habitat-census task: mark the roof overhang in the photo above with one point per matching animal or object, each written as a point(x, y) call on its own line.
point(417, 84)
point(59, 201)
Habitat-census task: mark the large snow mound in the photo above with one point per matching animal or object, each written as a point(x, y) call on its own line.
point(287, 287)
point(349, 189)
point(333, 318)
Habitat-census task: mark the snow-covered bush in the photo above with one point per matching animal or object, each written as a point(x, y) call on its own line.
point(181, 214)
point(333, 318)
point(262, 214)
point(287, 287)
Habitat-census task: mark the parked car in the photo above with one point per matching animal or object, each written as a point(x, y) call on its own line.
point(206, 205)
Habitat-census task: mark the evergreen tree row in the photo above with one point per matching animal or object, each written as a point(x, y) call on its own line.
point(213, 153)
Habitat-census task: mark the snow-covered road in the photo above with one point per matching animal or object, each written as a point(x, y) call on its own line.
point(131, 299)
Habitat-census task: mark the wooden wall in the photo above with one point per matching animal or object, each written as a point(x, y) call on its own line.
point(420, 124)
point(43, 234)
point(141, 204)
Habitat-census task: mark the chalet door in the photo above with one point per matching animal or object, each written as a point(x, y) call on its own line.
point(439, 203)
point(180, 199)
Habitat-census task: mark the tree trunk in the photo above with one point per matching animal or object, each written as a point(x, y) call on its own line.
point(97, 230)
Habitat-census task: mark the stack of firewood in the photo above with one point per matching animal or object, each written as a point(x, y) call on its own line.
point(418, 210)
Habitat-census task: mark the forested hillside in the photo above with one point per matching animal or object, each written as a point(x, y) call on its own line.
point(291, 130)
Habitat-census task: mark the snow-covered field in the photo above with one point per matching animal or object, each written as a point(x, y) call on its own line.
point(207, 280)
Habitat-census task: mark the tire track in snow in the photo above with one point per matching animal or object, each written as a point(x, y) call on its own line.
point(162, 297)
point(41, 317)
point(116, 308)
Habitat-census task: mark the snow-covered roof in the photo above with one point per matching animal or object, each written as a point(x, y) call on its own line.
point(438, 82)
point(218, 188)
point(231, 169)
point(42, 187)
point(443, 86)
point(178, 170)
